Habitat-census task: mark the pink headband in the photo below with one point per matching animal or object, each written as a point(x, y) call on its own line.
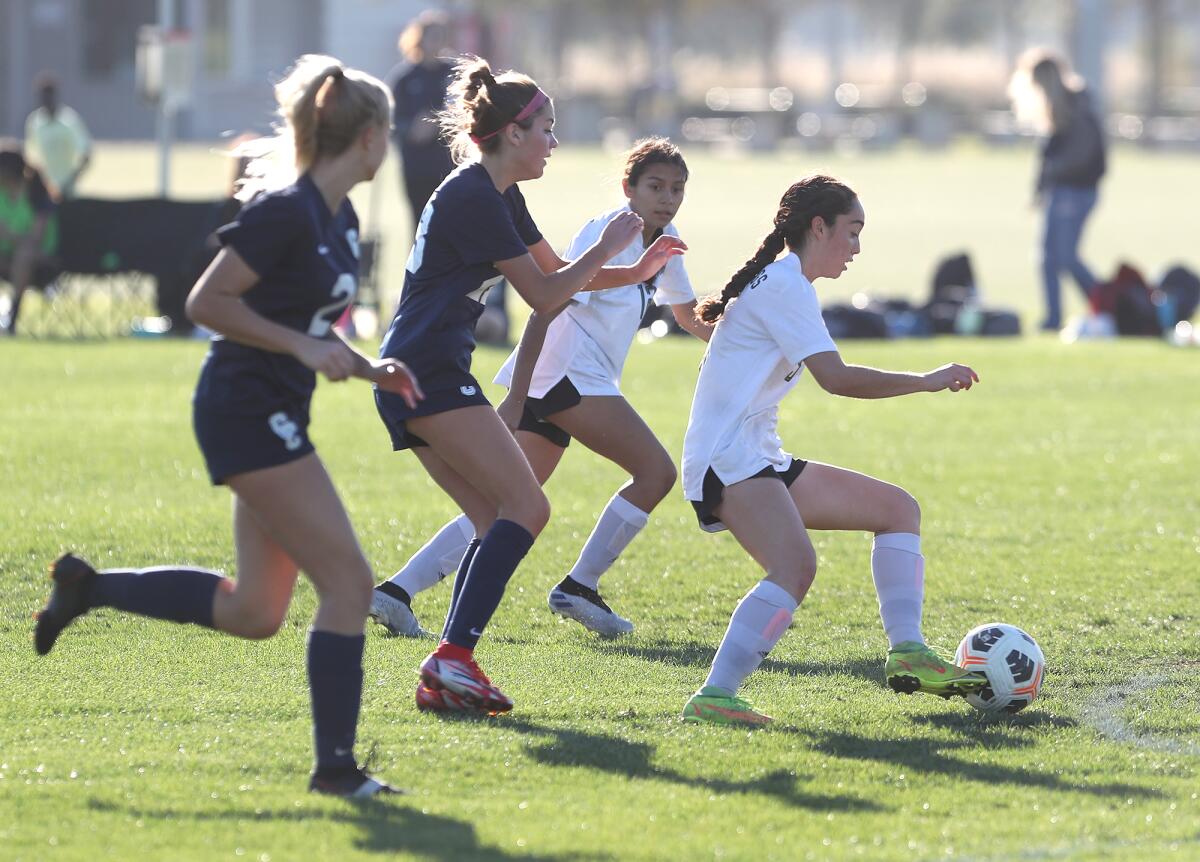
point(535, 104)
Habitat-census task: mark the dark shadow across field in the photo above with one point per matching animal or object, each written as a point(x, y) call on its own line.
point(387, 827)
point(917, 755)
point(555, 746)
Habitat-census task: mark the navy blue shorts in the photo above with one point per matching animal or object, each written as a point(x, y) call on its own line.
point(561, 396)
point(234, 443)
point(462, 392)
point(714, 490)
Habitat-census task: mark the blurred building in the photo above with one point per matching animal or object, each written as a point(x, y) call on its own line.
point(754, 73)
point(238, 47)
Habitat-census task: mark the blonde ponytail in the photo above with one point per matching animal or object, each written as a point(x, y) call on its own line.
point(323, 107)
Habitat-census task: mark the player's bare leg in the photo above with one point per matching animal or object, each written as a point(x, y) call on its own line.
point(611, 428)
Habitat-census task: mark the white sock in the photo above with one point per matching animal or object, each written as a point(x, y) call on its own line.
point(757, 624)
point(899, 572)
point(439, 557)
point(619, 523)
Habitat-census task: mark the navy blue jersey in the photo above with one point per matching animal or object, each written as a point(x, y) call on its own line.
point(465, 228)
point(306, 259)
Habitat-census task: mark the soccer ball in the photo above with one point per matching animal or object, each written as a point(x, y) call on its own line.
point(1010, 659)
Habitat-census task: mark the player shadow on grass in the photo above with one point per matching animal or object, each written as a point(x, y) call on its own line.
point(701, 655)
point(995, 731)
point(387, 827)
point(917, 755)
point(555, 746)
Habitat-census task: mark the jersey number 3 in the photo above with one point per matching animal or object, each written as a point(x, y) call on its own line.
point(343, 291)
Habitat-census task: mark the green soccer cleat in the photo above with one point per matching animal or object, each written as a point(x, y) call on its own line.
point(713, 706)
point(911, 667)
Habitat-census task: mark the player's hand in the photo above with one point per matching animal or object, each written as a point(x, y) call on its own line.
point(953, 377)
point(392, 375)
point(656, 256)
point(619, 233)
point(328, 356)
point(510, 411)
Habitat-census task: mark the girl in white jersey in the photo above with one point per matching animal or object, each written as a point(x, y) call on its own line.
point(737, 476)
point(564, 382)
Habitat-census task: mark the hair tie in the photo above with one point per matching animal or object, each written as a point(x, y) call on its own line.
point(326, 88)
point(531, 108)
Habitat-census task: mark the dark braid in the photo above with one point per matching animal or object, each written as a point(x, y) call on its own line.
point(710, 309)
point(812, 197)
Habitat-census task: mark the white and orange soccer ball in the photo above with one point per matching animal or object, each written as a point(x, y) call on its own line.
point(1010, 659)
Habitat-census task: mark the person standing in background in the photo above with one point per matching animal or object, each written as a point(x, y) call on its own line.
point(57, 139)
point(28, 230)
point(419, 84)
point(419, 91)
point(1054, 101)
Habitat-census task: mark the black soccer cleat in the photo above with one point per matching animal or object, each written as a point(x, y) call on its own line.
point(351, 783)
point(72, 579)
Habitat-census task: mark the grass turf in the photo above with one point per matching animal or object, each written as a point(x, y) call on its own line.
point(1059, 496)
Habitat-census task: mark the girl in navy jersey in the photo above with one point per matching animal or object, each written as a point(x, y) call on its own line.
point(573, 391)
point(287, 269)
point(474, 231)
point(736, 474)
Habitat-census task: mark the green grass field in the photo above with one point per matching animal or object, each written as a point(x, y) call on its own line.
point(1060, 495)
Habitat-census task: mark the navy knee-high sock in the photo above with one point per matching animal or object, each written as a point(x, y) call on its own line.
point(460, 578)
point(335, 681)
point(178, 594)
point(499, 554)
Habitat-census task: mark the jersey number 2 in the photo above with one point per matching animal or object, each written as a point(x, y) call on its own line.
point(343, 291)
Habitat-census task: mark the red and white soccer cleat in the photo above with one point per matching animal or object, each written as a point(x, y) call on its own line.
point(440, 700)
point(461, 676)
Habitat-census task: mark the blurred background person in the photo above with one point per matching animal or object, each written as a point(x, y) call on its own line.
point(1055, 102)
point(419, 85)
point(57, 139)
point(28, 232)
point(419, 89)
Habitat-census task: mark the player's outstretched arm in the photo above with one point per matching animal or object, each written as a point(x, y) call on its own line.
point(528, 350)
point(860, 381)
point(685, 316)
point(546, 282)
point(390, 375)
point(216, 303)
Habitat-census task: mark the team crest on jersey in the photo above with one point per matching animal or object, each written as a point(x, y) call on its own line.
point(352, 238)
point(467, 390)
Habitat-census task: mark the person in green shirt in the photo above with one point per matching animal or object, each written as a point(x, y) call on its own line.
point(28, 233)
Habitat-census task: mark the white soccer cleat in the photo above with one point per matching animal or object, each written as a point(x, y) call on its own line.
point(395, 616)
point(585, 606)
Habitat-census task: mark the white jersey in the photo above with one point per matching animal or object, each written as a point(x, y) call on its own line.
point(754, 359)
point(589, 340)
